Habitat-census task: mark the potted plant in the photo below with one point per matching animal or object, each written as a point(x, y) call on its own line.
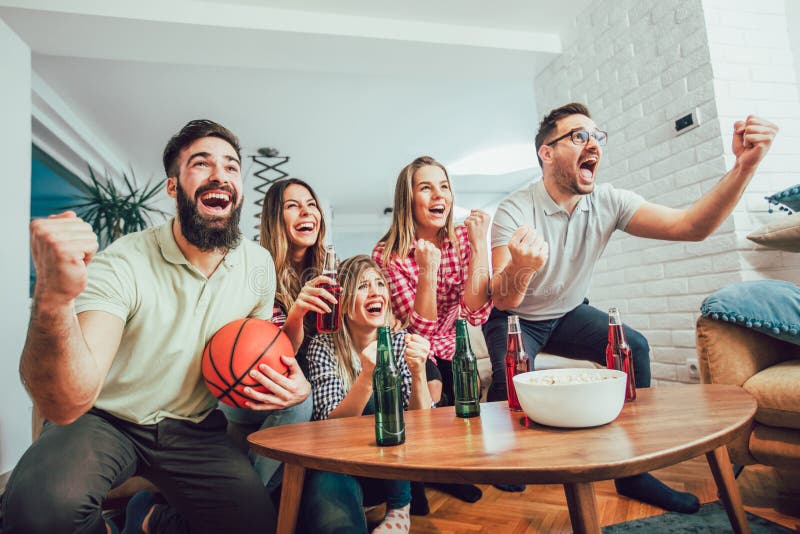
point(113, 211)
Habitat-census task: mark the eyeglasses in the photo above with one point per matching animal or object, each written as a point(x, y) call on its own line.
point(580, 137)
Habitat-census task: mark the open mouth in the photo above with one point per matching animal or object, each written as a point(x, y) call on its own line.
point(587, 167)
point(375, 309)
point(438, 210)
point(306, 227)
point(216, 200)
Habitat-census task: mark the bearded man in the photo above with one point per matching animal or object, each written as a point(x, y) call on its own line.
point(547, 238)
point(112, 359)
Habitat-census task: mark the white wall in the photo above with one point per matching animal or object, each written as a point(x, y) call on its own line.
point(793, 22)
point(638, 65)
point(15, 153)
point(754, 72)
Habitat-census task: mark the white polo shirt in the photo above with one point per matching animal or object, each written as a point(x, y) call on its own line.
point(576, 242)
point(170, 310)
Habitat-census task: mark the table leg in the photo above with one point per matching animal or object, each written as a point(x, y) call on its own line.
point(293, 477)
point(721, 468)
point(582, 507)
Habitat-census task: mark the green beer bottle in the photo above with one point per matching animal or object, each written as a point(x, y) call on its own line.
point(465, 374)
point(390, 428)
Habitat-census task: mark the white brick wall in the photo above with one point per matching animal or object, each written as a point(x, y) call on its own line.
point(639, 64)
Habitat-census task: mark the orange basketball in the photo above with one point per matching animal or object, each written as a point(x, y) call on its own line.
point(234, 350)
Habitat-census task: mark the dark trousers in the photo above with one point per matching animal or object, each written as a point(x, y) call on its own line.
point(60, 482)
point(581, 334)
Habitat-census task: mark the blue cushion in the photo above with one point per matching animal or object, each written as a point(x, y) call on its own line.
point(768, 306)
point(786, 200)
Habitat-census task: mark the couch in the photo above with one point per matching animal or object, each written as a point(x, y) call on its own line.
point(769, 369)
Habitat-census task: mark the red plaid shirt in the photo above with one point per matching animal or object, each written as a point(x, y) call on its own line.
point(403, 276)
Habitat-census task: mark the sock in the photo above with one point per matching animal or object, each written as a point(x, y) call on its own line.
point(138, 507)
point(649, 489)
point(510, 487)
point(465, 492)
point(397, 520)
point(419, 501)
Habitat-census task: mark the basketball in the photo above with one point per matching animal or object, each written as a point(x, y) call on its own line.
point(234, 350)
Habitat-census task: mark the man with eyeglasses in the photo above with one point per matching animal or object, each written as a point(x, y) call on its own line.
point(547, 238)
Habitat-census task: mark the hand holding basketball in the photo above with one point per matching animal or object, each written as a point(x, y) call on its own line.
point(236, 350)
point(281, 391)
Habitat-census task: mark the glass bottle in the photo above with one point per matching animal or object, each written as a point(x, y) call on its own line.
point(390, 427)
point(329, 322)
point(618, 353)
point(466, 384)
point(517, 361)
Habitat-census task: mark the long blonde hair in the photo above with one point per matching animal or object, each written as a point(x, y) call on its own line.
point(351, 270)
point(401, 233)
point(274, 238)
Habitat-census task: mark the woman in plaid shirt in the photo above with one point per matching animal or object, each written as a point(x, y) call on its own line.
point(340, 370)
point(437, 272)
point(293, 230)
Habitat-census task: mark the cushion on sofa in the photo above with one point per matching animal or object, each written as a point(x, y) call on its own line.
point(776, 390)
point(768, 306)
point(783, 234)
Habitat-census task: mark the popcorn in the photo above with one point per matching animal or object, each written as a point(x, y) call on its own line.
point(573, 378)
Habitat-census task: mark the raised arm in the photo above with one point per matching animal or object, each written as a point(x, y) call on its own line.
point(514, 266)
point(476, 285)
point(752, 139)
point(66, 357)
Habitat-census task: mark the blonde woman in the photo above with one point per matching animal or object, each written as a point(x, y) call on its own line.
point(293, 230)
point(437, 273)
point(340, 370)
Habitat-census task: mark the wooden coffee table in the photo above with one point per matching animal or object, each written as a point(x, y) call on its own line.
point(663, 427)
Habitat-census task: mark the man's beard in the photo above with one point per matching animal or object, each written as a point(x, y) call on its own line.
point(568, 183)
point(208, 234)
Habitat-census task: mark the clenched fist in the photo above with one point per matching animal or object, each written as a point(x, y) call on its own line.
point(62, 246)
point(528, 248)
point(752, 139)
point(417, 350)
point(477, 226)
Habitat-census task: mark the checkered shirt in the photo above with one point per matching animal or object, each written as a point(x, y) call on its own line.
point(403, 276)
point(327, 387)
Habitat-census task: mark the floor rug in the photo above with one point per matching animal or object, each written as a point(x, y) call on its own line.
point(711, 518)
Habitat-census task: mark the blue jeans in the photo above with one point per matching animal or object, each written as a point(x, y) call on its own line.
point(333, 503)
point(267, 468)
point(581, 334)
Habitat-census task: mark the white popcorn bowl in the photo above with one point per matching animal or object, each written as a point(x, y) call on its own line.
point(572, 404)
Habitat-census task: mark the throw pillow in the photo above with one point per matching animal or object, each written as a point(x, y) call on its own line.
point(771, 307)
point(788, 198)
point(782, 235)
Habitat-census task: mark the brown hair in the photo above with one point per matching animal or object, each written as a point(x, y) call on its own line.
point(548, 123)
point(350, 272)
point(401, 233)
point(193, 130)
point(274, 238)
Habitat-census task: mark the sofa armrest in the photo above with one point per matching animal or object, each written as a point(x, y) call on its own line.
point(731, 354)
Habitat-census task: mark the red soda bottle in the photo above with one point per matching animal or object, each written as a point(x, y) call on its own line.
point(517, 361)
point(618, 353)
point(329, 322)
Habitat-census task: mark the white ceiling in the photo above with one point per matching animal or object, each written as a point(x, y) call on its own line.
point(351, 90)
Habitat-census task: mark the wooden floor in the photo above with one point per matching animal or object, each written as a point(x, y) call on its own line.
point(544, 508)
